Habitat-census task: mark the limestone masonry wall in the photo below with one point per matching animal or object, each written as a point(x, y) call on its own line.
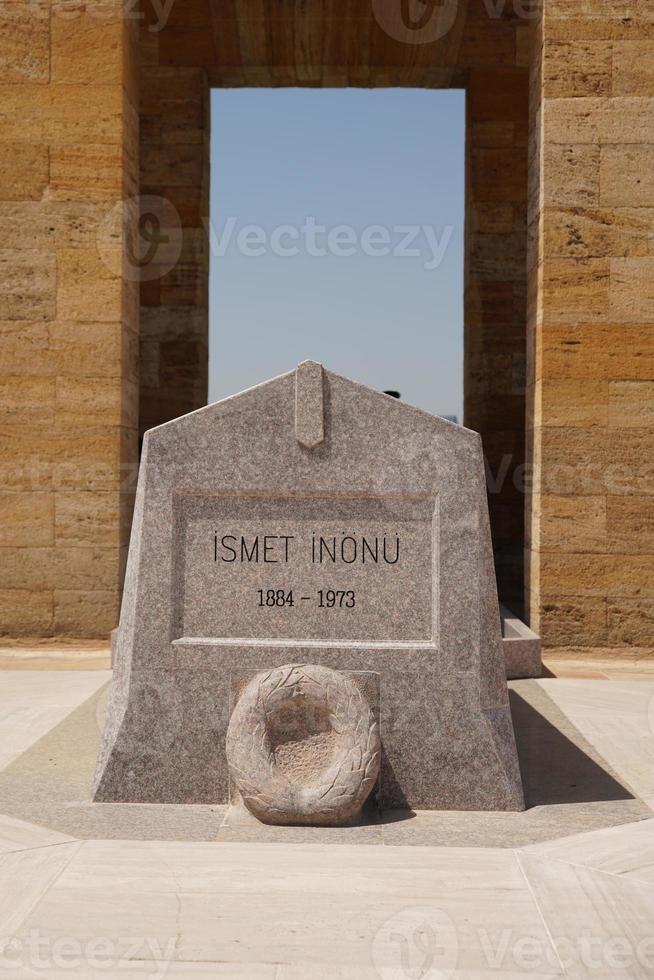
point(495, 284)
point(68, 317)
point(174, 143)
point(590, 533)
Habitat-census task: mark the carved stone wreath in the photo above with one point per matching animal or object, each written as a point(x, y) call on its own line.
point(338, 764)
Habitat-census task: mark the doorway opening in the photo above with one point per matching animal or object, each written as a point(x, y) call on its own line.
point(337, 234)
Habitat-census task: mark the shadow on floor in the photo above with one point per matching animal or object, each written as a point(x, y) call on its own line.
point(556, 769)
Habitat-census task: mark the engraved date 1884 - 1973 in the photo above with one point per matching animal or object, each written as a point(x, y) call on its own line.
point(325, 598)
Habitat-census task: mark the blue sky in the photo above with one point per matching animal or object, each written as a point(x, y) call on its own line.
point(354, 256)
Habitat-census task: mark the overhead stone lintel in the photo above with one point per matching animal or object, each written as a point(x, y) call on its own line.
point(309, 404)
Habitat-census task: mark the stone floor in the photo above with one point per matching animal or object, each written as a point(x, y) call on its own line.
point(565, 889)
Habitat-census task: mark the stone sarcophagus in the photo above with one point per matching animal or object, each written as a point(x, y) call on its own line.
point(311, 521)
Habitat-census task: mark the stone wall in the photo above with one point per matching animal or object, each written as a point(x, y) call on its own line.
point(590, 536)
point(495, 282)
point(174, 144)
point(68, 317)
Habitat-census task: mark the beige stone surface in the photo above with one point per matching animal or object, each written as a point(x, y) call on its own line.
point(67, 154)
point(578, 69)
point(567, 403)
point(88, 288)
point(28, 519)
point(85, 612)
point(633, 68)
point(23, 171)
point(573, 621)
point(90, 518)
point(590, 325)
point(576, 288)
point(29, 284)
point(632, 290)
point(630, 621)
point(86, 172)
point(26, 612)
point(571, 173)
point(597, 575)
point(86, 42)
point(599, 121)
point(589, 350)
point(626, 175)
point(24, 41)
point(621, 232)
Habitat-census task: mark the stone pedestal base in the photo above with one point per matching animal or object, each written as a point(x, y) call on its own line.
point(166, 729)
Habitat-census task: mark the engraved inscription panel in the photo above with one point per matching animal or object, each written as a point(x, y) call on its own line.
point(304, 568)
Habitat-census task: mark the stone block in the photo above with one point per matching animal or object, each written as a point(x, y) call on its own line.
point(498, 94)
point(26, 613)
point(492, 218)
point(521, 647)
point(491, 133)
point(633, 67)
point(85, 613)
point(176, 165)
point(28, 285)
point(94, 350)
point(86, 172)
point(573, 621)
point(97, 459)
point(576, 289)
point(567, 403)
point(484, 46)
point(599, 120)
point(572, 524)
point(27, 519)
point(24, 41)
point(498, 256)
point(630, 520)
point(89, 518)
point(88, 288)
point(25, 349)
point(22, 110)
point(88, 402)
point(594, 462)
point(45, 224)
point(499, 175)
point(596, 575)
point(632, 290)
point(571, 175)
point(23, 171)
point(630, 622)
point(627, 176)
point(589, 350)
point(189, 203)
point(87, 42)
point(192, 47)
point(79, 113)
point(577, 69)
point(36, 569)
point(27, 402)
point(420, 609)
point(631, 404)
point(599, 19)
point(597, 232)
